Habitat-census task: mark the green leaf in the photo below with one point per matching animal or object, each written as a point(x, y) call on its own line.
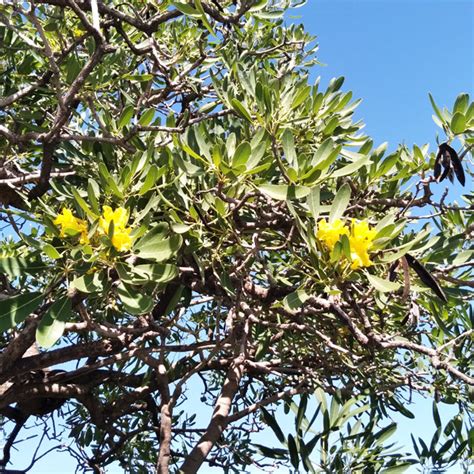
point(150, 180)
point(273, 453)
point(336, 252)
point(241, 155)
point(340, 203)
point(17, 266)
point(134, 301)
point(51, 252)
point(126, 116)
point(301, 411)
point(93, 193)
point(325, 154)
point(180, 292)
point(109, 180)
point(458, 123)
point(186, 9)
point(241, 110)
point(146, 273)
point(314, 202)
point(282, 192)
point(295, 300)
point(301, 96)
point(53, 322)
point(382, 285)
point(160, 230)
point(158, 248)
point(82, 203)
point(204, 19)
point(90, 283)
point(180, 228)
point(158, 273)
point(331, 125)
point(293, 449)
point(258, 152)
point(272, 423)
point(147, 117)
point(288, 144)
point(385, 433)
point(351, 167)
point(345, 246)
point(335, 84)
point(401, 408)
point(436, 109)
point(462, 103)
point(15, 310)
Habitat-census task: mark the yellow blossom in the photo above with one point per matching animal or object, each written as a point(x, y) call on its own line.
point(329, 233)
point(121, 239)
point(361, 238)
point(68, 222)
point(119, 216)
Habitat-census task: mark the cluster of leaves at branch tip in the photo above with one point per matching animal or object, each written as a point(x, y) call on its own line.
point(118, 233)
point(360, 236)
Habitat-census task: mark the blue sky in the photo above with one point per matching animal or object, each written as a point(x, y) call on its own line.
point(392, 53)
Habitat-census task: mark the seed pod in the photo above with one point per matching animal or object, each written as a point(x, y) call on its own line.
point(457, 166)
point(426, 277)
point(448, 158)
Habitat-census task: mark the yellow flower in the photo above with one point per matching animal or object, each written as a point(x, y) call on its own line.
point(361, 236)
point(121, 239)
point(361, 239)
point(329, 233)
point(67, 221)
point(119, 216)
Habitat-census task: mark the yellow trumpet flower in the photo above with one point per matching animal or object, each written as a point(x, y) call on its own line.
point(121, 239)
point(361, 238)
point(68, 222)
point(330, 233)
point(360, 235)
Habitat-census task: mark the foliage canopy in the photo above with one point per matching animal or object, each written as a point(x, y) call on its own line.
point(207, 228)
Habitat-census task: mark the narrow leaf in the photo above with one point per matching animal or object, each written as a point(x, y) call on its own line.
point(241, 110)
point(282, 192)
point(340, 203)
point(314, 202)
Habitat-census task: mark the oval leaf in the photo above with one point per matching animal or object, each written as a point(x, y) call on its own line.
point(88, 283)
point(159, 249)
point(382, 285)
point(15, 310)
point(133, 301)
point(52, 324)
point(458, 123)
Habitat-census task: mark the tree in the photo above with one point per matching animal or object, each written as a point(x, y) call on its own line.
point(198, 231)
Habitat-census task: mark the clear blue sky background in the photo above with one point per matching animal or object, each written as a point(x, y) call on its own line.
point(392, 53)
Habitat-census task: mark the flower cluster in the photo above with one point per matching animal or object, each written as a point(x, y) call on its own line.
point(121, 239)
point(71, 225)
point(360, 235)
